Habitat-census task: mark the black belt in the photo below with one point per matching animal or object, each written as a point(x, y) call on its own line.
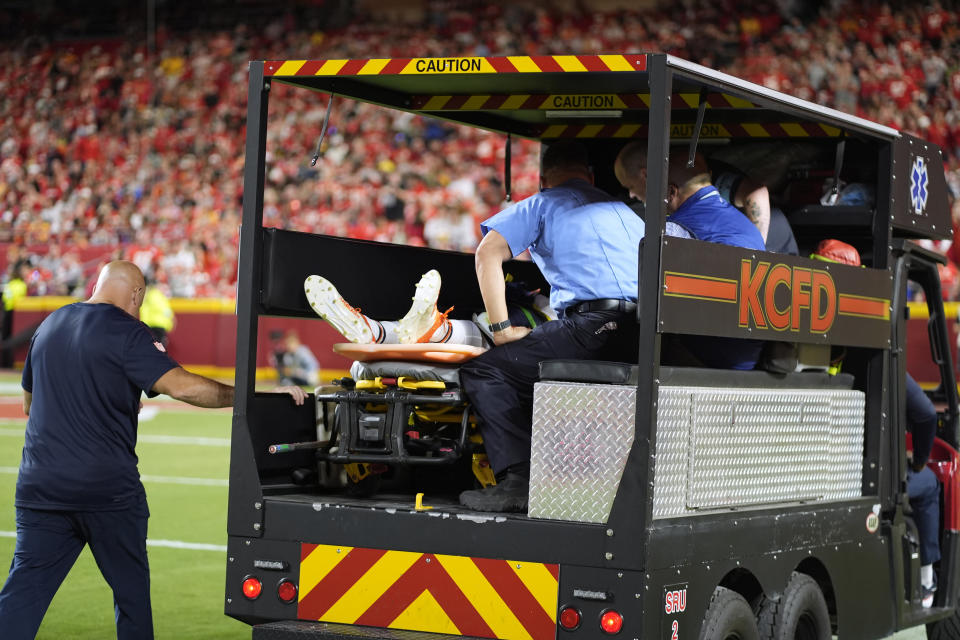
point(604, 304)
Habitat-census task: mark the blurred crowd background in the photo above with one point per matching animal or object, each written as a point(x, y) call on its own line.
point(122, 124)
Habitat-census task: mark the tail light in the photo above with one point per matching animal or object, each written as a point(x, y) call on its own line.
point(287, 591)
point(252, 587)
point(569, 618)
point(611, 621)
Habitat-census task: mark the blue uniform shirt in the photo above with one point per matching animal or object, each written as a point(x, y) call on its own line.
point(709, 217)
point(86, 367)
point(585, 243)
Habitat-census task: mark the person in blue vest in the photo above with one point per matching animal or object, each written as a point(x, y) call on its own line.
point(586, 244)
point(78, 484)
point(695, 205)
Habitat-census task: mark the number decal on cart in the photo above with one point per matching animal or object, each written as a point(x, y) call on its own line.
point(675, 628)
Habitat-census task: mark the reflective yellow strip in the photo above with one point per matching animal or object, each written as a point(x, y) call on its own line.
point(436, 102)
point(514, 102)
point(554, 131)
point(331, 67)
point(524, 64)
point(569, 63)
point(426, 614)
point(590, 131)
point(365, 591)
point(475, 102)
point(830, 131)
point(373, 67)
point(541, 583)
point(794, 130)
point(756, 131)
point(318, 564)
point(692, 100)
point(485, 599)
point(290, 67)
point(617, 63)
point(645, 98)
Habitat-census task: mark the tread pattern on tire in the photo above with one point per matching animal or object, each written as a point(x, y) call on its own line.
point(728, 612)
point(789, 606)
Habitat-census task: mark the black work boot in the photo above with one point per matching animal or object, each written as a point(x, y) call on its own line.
point(509, 494)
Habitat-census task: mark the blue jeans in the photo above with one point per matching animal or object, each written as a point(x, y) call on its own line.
point(924, 492)
point(48, 544)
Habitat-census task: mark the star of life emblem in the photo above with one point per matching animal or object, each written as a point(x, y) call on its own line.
point(918, 185)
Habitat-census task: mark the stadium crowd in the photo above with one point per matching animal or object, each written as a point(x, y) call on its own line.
point(109, 150)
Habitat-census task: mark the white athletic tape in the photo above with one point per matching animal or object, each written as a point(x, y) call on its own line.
point(170, 544)
point(194, 482)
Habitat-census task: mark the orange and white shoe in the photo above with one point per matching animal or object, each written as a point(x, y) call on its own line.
point(330, 305)
point(423, 323)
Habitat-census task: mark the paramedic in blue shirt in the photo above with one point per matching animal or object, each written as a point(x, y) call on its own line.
point(694, 204)
point(586, 245)
point(87, 365)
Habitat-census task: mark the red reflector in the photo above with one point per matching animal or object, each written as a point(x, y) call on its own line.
point(287, 591)
point(569, 618)
point(611, 621)
point(252, 588)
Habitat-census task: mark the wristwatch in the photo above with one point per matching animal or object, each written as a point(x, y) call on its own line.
point(500, 326)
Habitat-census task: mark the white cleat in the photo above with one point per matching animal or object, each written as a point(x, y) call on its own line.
point(330, 305)
point(422, 317)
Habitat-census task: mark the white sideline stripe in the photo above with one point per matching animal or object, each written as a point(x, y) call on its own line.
point(196, 482)
point(170, 544)
point(194, 440)
point(154, 439)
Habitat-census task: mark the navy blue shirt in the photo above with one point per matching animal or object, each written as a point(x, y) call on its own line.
point(709, 217)
point(86, 368)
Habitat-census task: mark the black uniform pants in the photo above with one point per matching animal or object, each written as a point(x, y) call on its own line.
point(499, 383)
point(48, 544)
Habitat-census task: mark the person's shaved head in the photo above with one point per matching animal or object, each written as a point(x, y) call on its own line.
point(682, 181)
point(121, 284)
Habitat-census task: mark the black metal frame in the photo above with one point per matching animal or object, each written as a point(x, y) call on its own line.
point(353, 447)
point(827, 541)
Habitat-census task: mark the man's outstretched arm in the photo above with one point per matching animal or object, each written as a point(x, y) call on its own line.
point(203, 392)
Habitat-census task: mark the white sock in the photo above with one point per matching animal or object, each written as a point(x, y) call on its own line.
point(926, 575)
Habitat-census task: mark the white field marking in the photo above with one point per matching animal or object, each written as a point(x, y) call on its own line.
point(170, 544)
point(194, 482)
point(154, 439)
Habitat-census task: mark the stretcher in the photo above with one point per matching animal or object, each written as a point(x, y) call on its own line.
point(401, 406)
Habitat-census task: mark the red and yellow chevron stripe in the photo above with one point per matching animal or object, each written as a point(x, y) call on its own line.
point(433, 66)
point(518, 101)
point(681, 130)
point(459, 595)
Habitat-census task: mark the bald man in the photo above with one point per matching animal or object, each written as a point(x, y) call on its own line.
point(87, 366)
point(694, 204)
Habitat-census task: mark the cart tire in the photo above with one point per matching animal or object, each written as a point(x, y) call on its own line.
point(799, 614)
point(729, 617)
point(946, 629)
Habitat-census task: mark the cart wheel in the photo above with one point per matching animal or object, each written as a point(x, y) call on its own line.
point(729, 617)
point(799, 614)
point(946, 629)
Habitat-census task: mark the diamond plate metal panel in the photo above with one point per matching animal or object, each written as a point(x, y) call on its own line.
point(582, 434)
point(721, 448)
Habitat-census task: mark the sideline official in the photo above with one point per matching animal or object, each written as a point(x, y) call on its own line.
point(78, 484)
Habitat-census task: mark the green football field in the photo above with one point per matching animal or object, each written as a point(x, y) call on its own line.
point(184, 460)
